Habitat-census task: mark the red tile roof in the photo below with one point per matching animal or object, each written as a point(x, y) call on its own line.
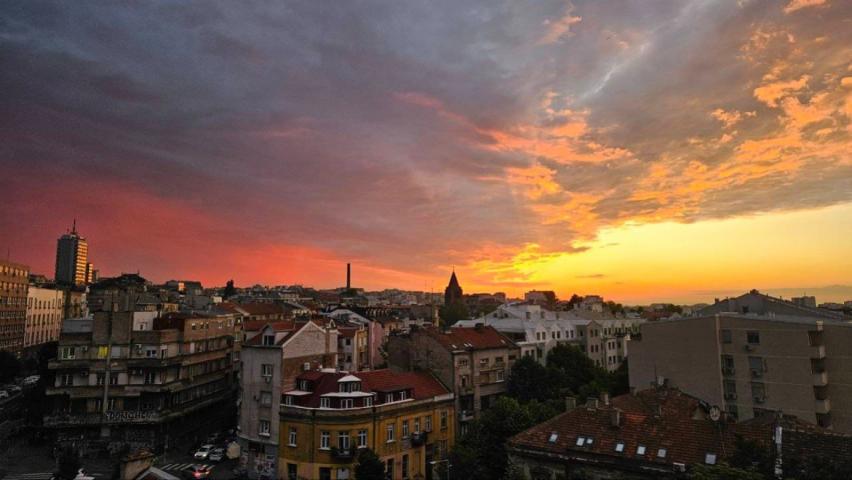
point(278, 326)
point(419, 385)
point(290, 327)
point(263, 308)
point(656, 419)
point(475, 338)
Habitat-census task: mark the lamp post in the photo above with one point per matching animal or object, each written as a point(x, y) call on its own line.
point(447, 461)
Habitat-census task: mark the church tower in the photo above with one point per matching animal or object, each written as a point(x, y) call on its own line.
point(453, 292)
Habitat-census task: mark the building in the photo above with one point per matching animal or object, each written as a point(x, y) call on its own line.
point(453, 293)
point(750, 363)
point(121, 383)
point(541, 297)
point(273, 356)
point(475, 362)
point(45, 312)
point(72, 253)
point(805, 301)
point(537, 330)
point(405, 418)
point(758, 303)
point(655, 433)
point(14, 282)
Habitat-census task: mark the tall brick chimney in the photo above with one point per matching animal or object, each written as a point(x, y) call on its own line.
point(348, 276)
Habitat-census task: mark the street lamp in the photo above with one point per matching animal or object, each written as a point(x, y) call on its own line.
point(447, 461)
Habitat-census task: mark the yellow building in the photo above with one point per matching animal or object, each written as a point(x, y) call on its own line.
point(405, 418)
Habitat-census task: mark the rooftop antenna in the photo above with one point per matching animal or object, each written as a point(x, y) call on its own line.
point(74, 227)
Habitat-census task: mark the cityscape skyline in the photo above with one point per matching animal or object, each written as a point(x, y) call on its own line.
point(652, 151)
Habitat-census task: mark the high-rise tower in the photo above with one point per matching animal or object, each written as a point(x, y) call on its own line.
point(72, 252)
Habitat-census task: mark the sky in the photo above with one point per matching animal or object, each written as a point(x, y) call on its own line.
point(645, 150)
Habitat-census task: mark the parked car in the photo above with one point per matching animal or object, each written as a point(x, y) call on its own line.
point(31, 380)
point(216, 455)
point(193, 472)
point(13, 389)
point(203, 452)
point(4, 394)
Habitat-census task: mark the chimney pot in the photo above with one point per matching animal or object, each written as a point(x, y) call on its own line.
point(604, 397)
point(615, 417)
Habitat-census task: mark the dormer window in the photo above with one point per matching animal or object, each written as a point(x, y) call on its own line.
point(368, 401)
point(304, 385)
point(268, 340)
point(325, 403)
point(388, 397)
point(348, 387)
point(403, 395)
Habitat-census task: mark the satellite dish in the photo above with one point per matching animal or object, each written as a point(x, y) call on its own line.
point(715, 413)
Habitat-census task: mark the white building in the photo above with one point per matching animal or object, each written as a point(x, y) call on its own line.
point(45, 309)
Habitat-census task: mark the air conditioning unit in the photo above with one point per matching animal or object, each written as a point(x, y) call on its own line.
point(756, 373)
point(749, 347)
point(759, 399)
point(267, 379)
point(730, 396)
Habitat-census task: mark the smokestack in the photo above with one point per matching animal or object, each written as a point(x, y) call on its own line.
point(348, 276)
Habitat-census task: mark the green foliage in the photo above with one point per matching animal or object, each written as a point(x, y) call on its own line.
point(369, 466)
point(481, 453)
point(530, 380)
point(620, 380)
point(570, 369)
point(751, 455)
point(452, 313)
point(817, 467)
point(10, 366)
point(722, 472)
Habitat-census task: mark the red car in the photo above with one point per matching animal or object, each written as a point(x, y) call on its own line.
point(193, 472)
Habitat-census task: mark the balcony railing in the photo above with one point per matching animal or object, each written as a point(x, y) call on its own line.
point(418, 439)
point(466, 415)
point(822, 406)
point(820, 379)
point(342, 453)
point(818, 351)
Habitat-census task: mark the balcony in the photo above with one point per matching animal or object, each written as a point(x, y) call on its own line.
point(342, 453)
point(820, 379)
point(818, 351)
point(729, 371)
point(822, 407)
point(418, 439)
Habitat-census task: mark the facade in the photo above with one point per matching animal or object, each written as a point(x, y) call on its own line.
point(652, 434)
point(120, 383)
point(537, 330)
point(14, 283)
point(405, 418)
point(72, 253)
point(45, 312)
point(272, 359)
point(475, 362)
point(752, 363)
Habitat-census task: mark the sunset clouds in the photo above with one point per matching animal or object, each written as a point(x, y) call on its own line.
point(274, 142)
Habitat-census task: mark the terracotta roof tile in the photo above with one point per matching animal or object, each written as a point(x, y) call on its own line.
point(476, 338)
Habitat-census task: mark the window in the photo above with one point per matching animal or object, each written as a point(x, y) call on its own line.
point(266, 370)
point(726, 335)
point(362, 439)
point(149, 377)
point(388, 397)
point(753, 337)
point(710, 459)
point(581, 441)
point(403, 395)
point(390, 437)
point(417, 425)
point(113, 379)
point(268, 340)
point(304, 386)
point(266, 399)
point(66, 380)
point(483, 362)
point(151, 352)
point(101, 379)
point(757, 366)
point(324, 439)
point(347, 403)
point(291, 438)
point(343, 440)
point(405, 429)
point(463, 362)
point(405, 466)
point(292, 471)
point(619, 447)
point(325, 402)
point(640, 450)
point(553, 437)
point(428, 423)
point(463, 381)
point(444, 415)
point(66, 353)
point(325, 473)
point(500, 374)
point(263, 428)
point(389, 470)
point(368, 401)
point(758, 391)
point(661, 453)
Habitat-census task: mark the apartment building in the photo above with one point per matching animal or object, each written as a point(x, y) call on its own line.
point(45, 311)
point(406, 418)
point(537, 330)
point(122, 383)
point(475, 362)
point(273, 357)
point(748, 363)
point(14, 282)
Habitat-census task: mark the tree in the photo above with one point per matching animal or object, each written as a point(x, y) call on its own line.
point(620, 380)
point(573, 370)
point(530, 380)
point(230, 291)
point(453, 312)
point(369, 466)
point(10, 366)
point(574, 300)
